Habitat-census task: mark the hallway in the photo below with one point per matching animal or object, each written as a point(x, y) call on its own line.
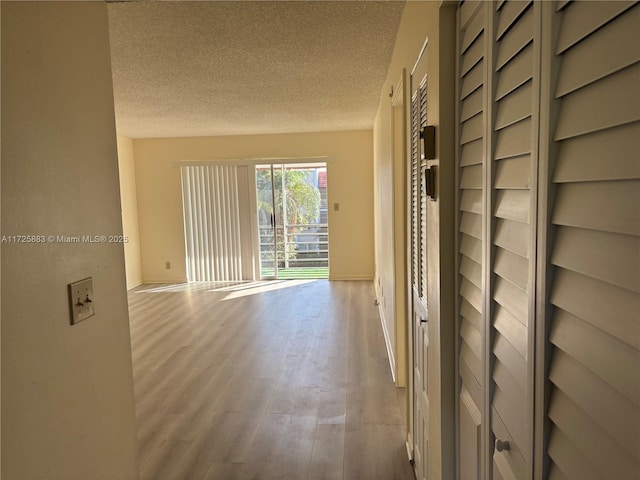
point(280, 380)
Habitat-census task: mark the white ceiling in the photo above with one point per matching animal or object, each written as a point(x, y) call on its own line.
point(244, 67)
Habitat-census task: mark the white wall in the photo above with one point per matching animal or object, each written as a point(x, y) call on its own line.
point(350, 183)
point(129, 201)
point(67, 391)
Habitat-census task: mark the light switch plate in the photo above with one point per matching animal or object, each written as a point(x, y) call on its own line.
point(81, 300)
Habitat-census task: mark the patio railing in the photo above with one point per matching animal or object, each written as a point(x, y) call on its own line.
point(301, 246)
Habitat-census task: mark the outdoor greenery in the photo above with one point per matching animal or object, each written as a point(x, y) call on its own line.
point(303, 198)
point(302, 206)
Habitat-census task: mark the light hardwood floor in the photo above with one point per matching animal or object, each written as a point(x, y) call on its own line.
point(281, 380)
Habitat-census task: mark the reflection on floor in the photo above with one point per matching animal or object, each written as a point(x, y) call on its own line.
point(264, 380)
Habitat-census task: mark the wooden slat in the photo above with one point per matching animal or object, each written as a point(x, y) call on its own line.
point(471, 294)
point(509, 14)
point(513, 205)
point(472, 105)
point(512, 268)
point(516, 72)
point(583, 18)
point(471, 32)
point(513, 236)
point(514, 140)
point(569, 459)
point(470, 382)
point(472, 271)
point(611, 309)
point(555, 473)
point(513, 173)
point(606, 256)
point(608, 50)
point(472, 362)
point(473, 316)
point(471, 177)
point(607, 103)
point(605, 155)
point(471, 129)
point(515, 106)
point(615, 415)
point(472, 407)
point(561, 4)
point(467, 10)
point(471, 201)
point(472, 80)
point(472, 248)
point(514, 300)
point(610, 454)
point(511, 359)
point(512, 330)
point(472, 338)
point(607, 456)
point(606, 206)
point(472, 153)
point(510, 402)
point(471, 224)
point(516, 39)
point(613, 361)
point(472, 56)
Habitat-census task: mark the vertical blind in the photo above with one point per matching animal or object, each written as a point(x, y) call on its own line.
point(212, 222)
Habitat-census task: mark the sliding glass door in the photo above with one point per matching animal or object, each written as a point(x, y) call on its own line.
point(292, 220)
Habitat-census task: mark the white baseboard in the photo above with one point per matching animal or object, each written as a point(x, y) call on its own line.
point(350, 277)
point(387, 342)
point(164, 281)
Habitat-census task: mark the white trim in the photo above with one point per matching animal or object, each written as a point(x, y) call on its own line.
point(164, 281)
point(253, 161)
point(339, 278)
point(387, 342)
point(422, 51)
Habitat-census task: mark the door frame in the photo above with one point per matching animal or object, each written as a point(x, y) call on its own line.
point(284, 162)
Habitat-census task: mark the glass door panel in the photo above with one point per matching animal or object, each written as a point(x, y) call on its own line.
point(292, 220)
point(266, 221)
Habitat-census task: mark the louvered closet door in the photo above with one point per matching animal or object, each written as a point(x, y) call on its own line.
point(499, 78)
point(512, 225)
point(420, 315)
point(594, 403)
point(472, 91)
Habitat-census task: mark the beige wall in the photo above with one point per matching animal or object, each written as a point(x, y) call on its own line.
point(129, 201)
point(422, 20)
point(350, 177)
point(67, 391)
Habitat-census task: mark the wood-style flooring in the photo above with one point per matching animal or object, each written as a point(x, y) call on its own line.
point(280, 380)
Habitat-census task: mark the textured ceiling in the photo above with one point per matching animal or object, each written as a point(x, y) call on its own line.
point(244, 67)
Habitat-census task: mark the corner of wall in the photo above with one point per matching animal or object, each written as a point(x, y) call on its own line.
point(129, 202)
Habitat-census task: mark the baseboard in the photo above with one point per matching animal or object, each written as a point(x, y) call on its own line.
point(164, 281)
point(350, 277)
point(129, 288)
point(409, 445)
point(387, 342)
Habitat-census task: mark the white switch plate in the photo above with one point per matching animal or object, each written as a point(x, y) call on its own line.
point(81, 300)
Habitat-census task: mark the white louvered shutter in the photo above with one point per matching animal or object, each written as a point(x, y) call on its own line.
point(594, 403)
point(471, 70)
point(498, 84)
point(415, 193)
point(516, 77)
